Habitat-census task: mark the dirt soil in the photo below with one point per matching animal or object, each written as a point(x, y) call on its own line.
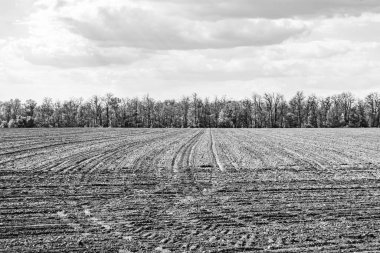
point(189, 190)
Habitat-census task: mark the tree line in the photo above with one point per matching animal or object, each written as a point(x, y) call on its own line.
point(270, 110)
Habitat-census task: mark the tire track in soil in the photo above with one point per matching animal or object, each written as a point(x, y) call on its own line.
point(87, 225)
point(64, 147)
point(281, 151)
point(206, 227)
point(260, 149)
point(146, 163)
point(290, 151)
point(148, 160)
point(254, 151)
point(70, 138)
point(215, 155)
point(66, 144)
point(116, 156)
point(181, 157)
point(90, 160)
point(226, 155)
point(334, 152)
point(184, 178)
point(141, 167)
point(183, 184)
point(108, 223)
point(294, 147)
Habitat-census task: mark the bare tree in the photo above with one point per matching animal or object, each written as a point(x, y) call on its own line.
point(297, 103)
point(373, 104)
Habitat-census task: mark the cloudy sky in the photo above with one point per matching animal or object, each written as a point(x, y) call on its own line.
point(169, 48)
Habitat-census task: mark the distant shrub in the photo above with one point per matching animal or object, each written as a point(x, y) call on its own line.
point(3, 124)
point(291, 120)
point(29, 122)
point(12, 124)
point(20, 121)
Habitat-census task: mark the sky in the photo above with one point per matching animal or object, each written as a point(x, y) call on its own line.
point(169, 48)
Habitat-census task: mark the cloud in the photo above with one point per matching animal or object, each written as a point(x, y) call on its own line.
point(85, 55)
point(360, 28)
point(62, 53)
point(172, 47)
point(272, 9)
point(86, 58)
point(12, 15)
point(291, 59)
point(50, 43)
point(222, 9)
point(145, 28)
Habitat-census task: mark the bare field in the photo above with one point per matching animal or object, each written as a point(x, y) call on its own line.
point(189, 190)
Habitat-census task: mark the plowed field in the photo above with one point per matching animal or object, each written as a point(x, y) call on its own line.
point(189, 190)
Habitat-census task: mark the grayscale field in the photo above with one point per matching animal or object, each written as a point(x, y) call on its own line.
point(189, 190)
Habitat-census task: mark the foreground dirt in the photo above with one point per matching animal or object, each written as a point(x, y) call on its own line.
point(189, 190)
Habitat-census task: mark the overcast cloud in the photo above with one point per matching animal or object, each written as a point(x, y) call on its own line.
point(169, 48)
